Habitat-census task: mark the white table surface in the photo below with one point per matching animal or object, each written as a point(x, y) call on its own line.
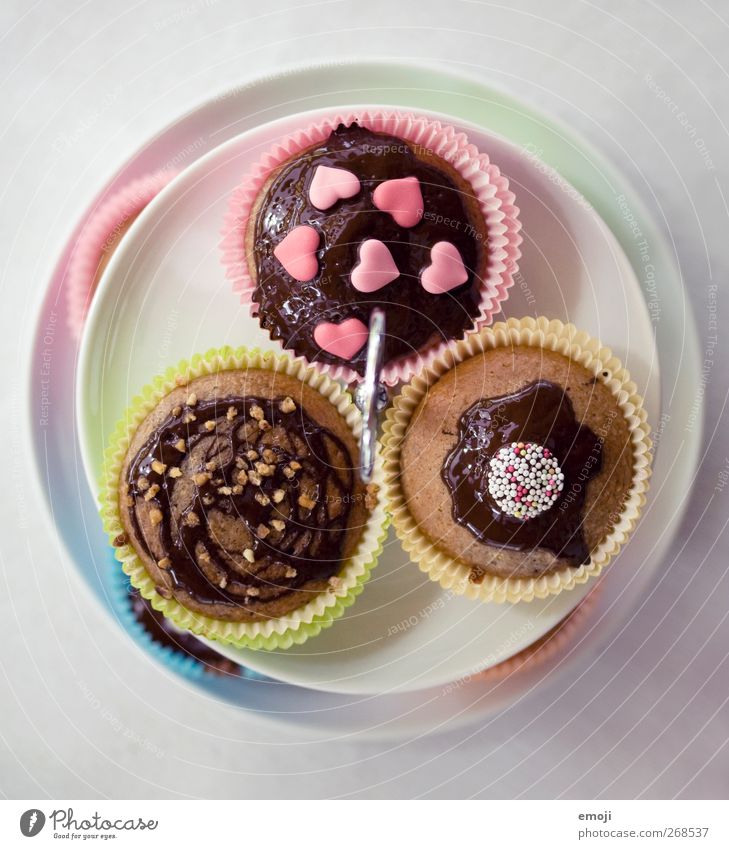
point(83, 84)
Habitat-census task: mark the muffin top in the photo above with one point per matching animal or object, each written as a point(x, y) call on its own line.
point(359, 220)
point(239, 492)
point(517, 462)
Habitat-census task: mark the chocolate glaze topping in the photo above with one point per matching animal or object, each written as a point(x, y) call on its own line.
point(290, 310)
point(164, 633)
point(241, 499)
point(543, 413)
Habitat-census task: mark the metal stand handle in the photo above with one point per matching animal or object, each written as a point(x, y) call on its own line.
point(371, 395)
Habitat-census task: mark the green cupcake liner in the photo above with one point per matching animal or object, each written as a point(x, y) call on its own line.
point(300, 624)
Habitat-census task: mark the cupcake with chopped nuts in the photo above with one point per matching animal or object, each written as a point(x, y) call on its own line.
point(233, 498)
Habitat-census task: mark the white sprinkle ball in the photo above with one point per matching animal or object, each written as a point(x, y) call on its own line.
point(524, 479)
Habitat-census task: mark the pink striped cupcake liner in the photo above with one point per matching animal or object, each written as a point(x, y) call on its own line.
point(551, 645)
point(99, 237)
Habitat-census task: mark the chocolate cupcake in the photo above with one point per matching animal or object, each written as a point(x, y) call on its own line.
point(234, 501)
point(372, 210)
point(517, 465)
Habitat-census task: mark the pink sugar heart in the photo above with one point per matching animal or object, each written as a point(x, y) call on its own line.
point(376, 267)
point(446, 270)
point(297, 252)
point(328, 185)
point(341, 340)
point(402, 199)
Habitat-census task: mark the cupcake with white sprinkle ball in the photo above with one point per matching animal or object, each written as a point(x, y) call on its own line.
point(517, 464)
point(524, 479)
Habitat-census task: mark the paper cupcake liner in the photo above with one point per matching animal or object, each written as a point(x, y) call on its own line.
point(177, 661)
point(551, 645)
point(565, 339)
point(490, 186)
point(309, 619)
point(98, 230)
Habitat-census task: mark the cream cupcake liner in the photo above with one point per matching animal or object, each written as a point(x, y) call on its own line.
point(490, 186)
point(309, 619)
point(552, 335)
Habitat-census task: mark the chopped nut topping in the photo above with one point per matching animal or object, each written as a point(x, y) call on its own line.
point(254, 478)
point(252, 455)
point(175, 472)
point(180, 446)
point(287, 405)
point(201, 478)
point(120, 540)
point(257, 413)
point(237, 489)
point(291, 572)
point(142, 483)
point(269, 455)
point(225, 490)
point(240, 463)
point(288, 472)
point(262, 499)
point(278, 496)
point(164, 563)
point(371, 496)
point(264, 469)
point(223, 582)
point(158, 467)
point(211, 465)
point(295, 465)
point(306, 502)
point(242, 477)
point(278, 524)
point(176, 411)
point(189, 417)
point(155, 516)
point(262, 532)
point(151, 492)
point(249, 555)
point(231, 414)
point(253, 591)
point(264, 425)
point(210, 425)
point(191, 399)
point(192, 520)
point(208, 500)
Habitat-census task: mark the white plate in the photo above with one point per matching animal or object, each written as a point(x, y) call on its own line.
point(61, 481)
point(164, 297)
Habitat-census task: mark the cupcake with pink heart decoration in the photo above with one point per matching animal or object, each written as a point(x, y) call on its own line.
point(372, 209)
